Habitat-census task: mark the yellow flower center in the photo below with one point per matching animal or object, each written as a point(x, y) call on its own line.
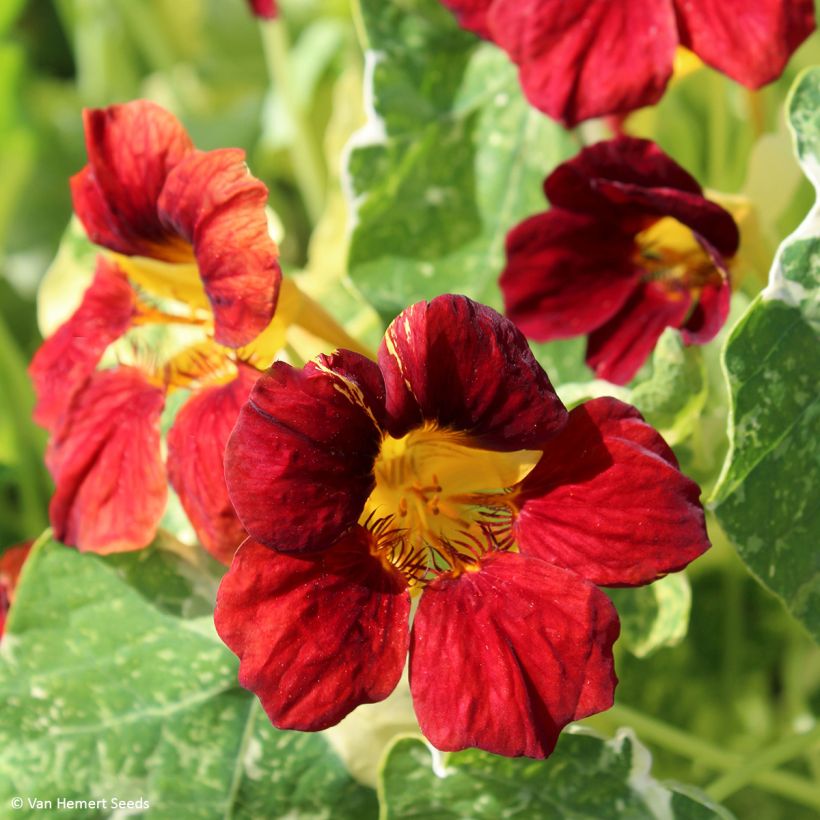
point(438, 500)
point(671, 256)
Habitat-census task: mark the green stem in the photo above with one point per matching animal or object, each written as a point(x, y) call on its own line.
point(768, 759)
point(306, 154)
point(732, 630)
point(90, 51)
point(718, 133)
point(682, 743)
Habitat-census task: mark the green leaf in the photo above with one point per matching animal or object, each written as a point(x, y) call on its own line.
point(451, 159)
point(586, 777)
point(766, 498)
point(673, 396)
point(653, 616)
point(108, 694)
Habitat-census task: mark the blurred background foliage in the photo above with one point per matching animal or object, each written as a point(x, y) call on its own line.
point(745, 675)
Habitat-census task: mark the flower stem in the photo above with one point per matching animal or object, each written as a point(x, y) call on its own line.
point(718, 132)
point(682, 743)
point(764, 761)
point(306, 154)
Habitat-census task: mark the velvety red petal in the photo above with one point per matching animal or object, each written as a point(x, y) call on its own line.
point(713, 226)
point(211, 199)
point(299, 464)
point(608, 501)
point(709, 314)
point(266, 9)
point(576, 183)
point(131, 150)
point(503, 658)
point(68, 357)
point(632, 182)
point(315, 636)
point(617, 349)
point(586, 58)
point(472, 15)
point(196, 453)
point(750, 40)
point(105, 460)
point(462, 366)
point(566, 274)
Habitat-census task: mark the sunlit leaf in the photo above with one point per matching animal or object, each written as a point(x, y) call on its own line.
point(767, 496)
point(586, 777)
point(107, 692)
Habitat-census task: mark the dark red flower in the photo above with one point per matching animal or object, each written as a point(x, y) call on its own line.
point(629, 247)
point(586, 58)
point(452, 471)
point(264, 9)
point(186, 246)
point(11, 564)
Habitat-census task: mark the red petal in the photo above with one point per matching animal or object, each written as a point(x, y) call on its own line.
point(503, 658)
point(633, 182)
point(750, 40)
point(105, 460)
point(266, 9)
point(317, 636)
point(463, 366)
point(566, 274)
point(608, 502)
point(616, 350)
point(585, 58)
point(131, 149)
point(66, 359)
point(211, 199)
point(299, 464)
point(576, 183)
point(196, 451)
point(709, 314)
point(472, 15)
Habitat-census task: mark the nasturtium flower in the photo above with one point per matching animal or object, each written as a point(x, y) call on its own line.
point(579, 59)
point(629, 247)
point(264, 9)
point(448, 471)
point(11, 564)
point(185, 250)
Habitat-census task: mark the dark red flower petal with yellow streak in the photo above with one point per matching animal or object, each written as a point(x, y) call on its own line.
point(304, 446)
point(264, 9)
point(131, 150)
point(608, 502)
point(567, 273)
point(196, 452)
point(211, 200)
point(106, 464)
point(749, 40)
point(68, 357)
point(460, 365)
point(315, 636)
point(584, 58)
point(502, 658)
